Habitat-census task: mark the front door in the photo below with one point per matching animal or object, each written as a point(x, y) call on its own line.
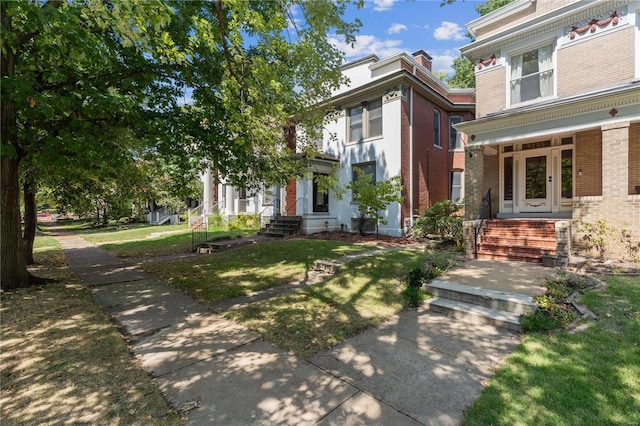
point(537, 180)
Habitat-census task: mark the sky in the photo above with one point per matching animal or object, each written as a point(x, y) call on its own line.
point(393, 26)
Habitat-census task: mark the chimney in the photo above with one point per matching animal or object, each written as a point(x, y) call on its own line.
point(423, 58)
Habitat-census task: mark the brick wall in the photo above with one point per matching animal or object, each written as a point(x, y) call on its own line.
point(607, 60)
point(588, 148)
point(290, 198)
point(634, 157)
point(490, 91)
point(615, 157)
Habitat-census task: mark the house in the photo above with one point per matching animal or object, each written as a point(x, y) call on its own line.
point(556, 137)
point(394, 117)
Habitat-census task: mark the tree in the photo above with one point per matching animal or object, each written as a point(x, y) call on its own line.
point(464, 73)
point(372, 198)
point(76, 71)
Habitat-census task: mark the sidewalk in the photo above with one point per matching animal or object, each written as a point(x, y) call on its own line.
point(417, 368)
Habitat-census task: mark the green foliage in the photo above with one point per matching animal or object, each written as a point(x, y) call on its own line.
point(217, 222)
point(373, 198)
point(464, 74)
point(596, 235)
point(412, 293)
point(244, 221)
point(442, 220)
point(554, 311)
point(412, 297)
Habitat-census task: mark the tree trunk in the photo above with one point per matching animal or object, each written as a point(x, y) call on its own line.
point(13, 269)
point(14, 272)
point(30, 218)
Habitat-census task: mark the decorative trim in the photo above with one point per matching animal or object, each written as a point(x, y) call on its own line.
point(486, 62)
point(544, 203)
point(593, 25)
point(398, 92)
point(613, 112)
point(544, 25)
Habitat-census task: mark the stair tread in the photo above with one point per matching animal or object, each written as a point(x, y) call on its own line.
point(494, 314)
point(479, 291)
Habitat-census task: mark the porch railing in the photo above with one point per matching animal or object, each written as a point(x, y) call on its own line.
point(485, 206)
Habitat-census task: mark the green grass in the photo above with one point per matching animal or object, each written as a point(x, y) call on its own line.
point(241, 271)
point(364, 293)
point(589, 377)
point(143, 240)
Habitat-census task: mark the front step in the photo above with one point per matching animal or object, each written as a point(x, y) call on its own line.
point(524, 240)
point(474, 314)
point(478, 305)
point(282, 226)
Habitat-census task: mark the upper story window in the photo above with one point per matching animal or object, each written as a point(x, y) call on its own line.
point(365, 121)
point(532, 75)
point(455, 138)
point(436, 128)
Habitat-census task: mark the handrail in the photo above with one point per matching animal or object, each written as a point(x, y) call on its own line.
point(261, 215)
point(198, 236)
point(478, 224)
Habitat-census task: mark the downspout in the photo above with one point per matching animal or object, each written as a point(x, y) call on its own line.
point(411, 152)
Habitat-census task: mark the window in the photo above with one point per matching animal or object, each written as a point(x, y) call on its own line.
point(368, 169)
point(455, 138)
point(365, 121)
point(456, 185)
point(436, 128)
point(532, 75)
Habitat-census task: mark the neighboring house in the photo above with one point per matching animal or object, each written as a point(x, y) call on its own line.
point(393, 118)
point(557, 128)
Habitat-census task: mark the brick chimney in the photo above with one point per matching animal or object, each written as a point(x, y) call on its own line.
point(423, 58)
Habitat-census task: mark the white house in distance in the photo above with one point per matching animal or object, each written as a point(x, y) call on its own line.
point(393, 118)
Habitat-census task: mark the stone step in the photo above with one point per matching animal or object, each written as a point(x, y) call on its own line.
point(474, 314)
point(327, 266)
point(495, 299)
point(504, 255)
point(511, 241)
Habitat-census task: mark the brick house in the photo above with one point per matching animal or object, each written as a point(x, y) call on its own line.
point(393, 118)
point(557, 131)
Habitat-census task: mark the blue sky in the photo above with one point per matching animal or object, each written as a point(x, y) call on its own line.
point(392, 26)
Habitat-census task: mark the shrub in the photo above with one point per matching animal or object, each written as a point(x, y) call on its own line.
point(442, 220)
point(217, 221)
point(245, 221)
point(412, 297)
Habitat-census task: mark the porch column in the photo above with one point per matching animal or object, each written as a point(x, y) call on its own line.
point(208, 193)
point(474, 181)
point(615, 159)
point(230, 201)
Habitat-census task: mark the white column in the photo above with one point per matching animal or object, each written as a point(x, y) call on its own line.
point(208, 193)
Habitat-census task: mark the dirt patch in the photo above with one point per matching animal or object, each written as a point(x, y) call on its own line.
point(354, 237)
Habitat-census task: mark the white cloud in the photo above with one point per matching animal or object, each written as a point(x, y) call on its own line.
point(449, 31)
point(396, 28)
point(382, 5)
point(367, 45)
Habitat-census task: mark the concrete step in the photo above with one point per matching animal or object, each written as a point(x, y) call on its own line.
point(499, 300)
point(327, 266)
point(474, 314)
point(505, 255)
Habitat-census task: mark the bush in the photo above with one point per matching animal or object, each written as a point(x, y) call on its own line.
point(245, 221)
point(442, 220)
point(217, 221)
point(412, 297)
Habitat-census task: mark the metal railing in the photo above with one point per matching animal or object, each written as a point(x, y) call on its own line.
point(198, 236)
point(479, 223)
point(159, 216)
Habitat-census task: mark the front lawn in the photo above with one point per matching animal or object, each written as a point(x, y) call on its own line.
point(63, 362)
point(589, 377)
point(241, 271)
point(364, 293)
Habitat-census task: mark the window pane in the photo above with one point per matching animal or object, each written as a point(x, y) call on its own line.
point(536, 184)
point(455, 139)
point(436, 128)
point(375, 118)
point(532, 75)
point(508, 178)
point(567, 173)
point(355, 124)
point(456, 186)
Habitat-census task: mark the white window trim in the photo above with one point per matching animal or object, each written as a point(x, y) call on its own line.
point(365, 121)
point(522, 48)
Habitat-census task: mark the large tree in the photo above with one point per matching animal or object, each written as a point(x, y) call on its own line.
point(74, 71)
point(464, 74)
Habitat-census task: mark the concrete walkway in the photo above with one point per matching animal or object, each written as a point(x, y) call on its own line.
point(417, 368)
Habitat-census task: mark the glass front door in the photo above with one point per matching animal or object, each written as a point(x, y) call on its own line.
point(537, 184)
